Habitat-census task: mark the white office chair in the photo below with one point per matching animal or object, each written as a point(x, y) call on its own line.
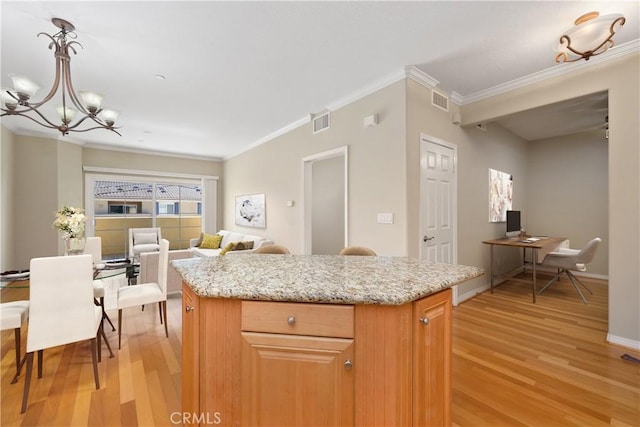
point(565, 260)
point(143, 240)
point(147, 293)
point(12, 315)
point(61, 310)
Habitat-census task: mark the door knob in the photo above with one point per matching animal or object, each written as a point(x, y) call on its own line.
point(426, 238)
point(291, 320)
point(189, 308)
point(424, 320)
point(348, 365)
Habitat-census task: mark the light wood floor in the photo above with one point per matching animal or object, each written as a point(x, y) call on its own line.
point(514, 364)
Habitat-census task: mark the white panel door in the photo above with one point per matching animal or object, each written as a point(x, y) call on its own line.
point(438, 198)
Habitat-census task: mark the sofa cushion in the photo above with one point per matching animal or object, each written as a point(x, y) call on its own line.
point(211, 241)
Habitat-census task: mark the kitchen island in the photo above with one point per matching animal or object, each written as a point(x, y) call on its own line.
point(317, 340)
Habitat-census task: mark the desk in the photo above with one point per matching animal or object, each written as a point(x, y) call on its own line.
point(520, 243)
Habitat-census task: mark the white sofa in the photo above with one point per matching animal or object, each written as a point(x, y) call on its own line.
point(228, 237)
point(149, 269)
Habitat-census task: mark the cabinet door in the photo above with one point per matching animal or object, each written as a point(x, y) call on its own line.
point(432, 360)
point(190, 354)
point(291, 380)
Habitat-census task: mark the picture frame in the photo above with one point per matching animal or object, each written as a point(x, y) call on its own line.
point(500, 195)
point(251, 210)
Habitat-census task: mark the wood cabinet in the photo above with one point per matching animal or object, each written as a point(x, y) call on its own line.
point(272, 363)
point(190, 353)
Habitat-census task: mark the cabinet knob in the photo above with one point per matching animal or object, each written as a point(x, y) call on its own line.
point(291, 320)
point(424, 320)
point(189, 309)
point(348, 365)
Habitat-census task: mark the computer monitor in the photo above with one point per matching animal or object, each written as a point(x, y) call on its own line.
point(513, 224)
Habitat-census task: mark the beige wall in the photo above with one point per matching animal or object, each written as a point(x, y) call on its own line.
point(45, 173)
point(327, 206)
point(35, 183)
point(478, 151)
point(377, 178)
point(620, 77)
point(7, 198)
point(568, 191)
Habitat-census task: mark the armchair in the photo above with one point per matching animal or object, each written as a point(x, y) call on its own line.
point(143, 240)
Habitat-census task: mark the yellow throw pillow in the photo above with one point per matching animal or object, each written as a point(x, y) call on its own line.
point(211, 241)
point(228, 248)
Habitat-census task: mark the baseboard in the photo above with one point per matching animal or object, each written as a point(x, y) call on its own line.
point(624, 342)
point(472, 293)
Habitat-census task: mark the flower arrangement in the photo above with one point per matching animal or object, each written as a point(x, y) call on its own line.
point(70, 221)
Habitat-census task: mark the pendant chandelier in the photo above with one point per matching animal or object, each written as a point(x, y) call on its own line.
point(592, 35)
point(17, 101)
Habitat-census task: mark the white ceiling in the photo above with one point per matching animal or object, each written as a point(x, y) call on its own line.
point(237, 72)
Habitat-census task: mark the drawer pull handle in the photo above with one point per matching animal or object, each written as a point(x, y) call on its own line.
point(424, 320)
point(189, 308)
point(291, 320)
point(348, 365)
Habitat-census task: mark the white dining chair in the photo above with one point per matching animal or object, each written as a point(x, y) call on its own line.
point(147, 293)
point(93, 247)
point(12, 315)
point(61, 310)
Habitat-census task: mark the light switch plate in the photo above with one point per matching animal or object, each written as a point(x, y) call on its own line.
point(385, 218)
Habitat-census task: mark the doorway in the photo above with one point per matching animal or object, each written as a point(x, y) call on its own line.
point(438, 202)
point(325, 177)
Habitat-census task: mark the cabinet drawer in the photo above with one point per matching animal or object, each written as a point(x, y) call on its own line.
point(320, 320)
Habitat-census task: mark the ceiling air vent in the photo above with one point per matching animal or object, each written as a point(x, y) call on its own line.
point(320, 122)
point(440, 100)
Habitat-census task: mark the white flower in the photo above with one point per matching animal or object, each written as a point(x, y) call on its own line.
point(70, 221)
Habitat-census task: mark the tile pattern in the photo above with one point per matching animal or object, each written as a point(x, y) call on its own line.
point(320, 278)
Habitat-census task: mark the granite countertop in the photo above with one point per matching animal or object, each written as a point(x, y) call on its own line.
point(320, 278)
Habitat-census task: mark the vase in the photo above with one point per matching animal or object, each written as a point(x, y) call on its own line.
point(74, 245)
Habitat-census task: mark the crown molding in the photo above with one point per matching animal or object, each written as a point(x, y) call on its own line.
point(417, 75)
point(555, 71)
point(352, 97)
point(148, 152)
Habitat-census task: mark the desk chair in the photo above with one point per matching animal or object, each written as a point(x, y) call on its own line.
point(357, 250)
point(61, 310)
point(565, 260)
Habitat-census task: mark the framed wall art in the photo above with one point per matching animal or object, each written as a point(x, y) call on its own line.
point(250, 211)
point(500, 195)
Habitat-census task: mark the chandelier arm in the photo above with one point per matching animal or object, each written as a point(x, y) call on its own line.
point(98, 127)
point(54, 88)
point(66, 73)
point(48, 124)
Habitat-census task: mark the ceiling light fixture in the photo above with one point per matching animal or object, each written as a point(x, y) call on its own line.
point(15, 102)
point(592, 35)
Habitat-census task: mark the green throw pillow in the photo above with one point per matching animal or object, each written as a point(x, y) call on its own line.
point(211, 241)
point(228, 248)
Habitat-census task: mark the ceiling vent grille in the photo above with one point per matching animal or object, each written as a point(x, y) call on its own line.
point(440, 100)
point(320, 122)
